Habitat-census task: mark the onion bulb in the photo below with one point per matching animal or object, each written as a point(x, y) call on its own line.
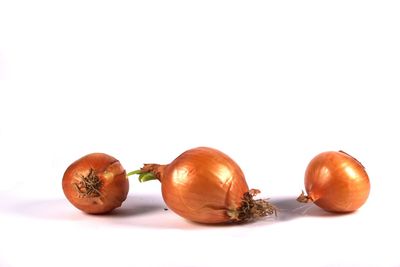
point(336, 182)
point(204, 185)
point(96, 183)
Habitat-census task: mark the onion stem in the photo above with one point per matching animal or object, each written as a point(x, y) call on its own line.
point(147, 176)
point(143, 176)
point(134, 172)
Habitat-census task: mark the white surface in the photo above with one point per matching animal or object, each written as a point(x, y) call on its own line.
point(270, 84)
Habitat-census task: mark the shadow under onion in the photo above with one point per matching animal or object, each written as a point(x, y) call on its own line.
point(150, 211)
point(288, 208)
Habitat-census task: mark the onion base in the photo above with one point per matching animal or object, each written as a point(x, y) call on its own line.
point(89, 185)
point(251, 208)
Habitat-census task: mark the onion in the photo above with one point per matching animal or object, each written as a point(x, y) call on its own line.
point(96, 183)
point(204, 185)
point(336, 182)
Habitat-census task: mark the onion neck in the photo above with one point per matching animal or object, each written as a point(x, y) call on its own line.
point(303, 198)
point(149, 172)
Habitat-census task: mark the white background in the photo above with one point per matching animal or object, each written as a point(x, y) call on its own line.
point(270, 83)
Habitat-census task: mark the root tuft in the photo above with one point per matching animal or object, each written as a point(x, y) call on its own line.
point(89, 186)
point(251, 208)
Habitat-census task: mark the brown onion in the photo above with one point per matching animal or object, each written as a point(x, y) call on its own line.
point(336, 182)
point(96, 183)
point(204, 185)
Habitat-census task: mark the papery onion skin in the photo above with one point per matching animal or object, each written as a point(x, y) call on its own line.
point(205, 185)
point(202, 184)
point(106, 173)
point(337, 182)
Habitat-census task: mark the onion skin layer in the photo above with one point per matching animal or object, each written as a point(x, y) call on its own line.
point(337, 182)
point(203, 185)
point(112, 178)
